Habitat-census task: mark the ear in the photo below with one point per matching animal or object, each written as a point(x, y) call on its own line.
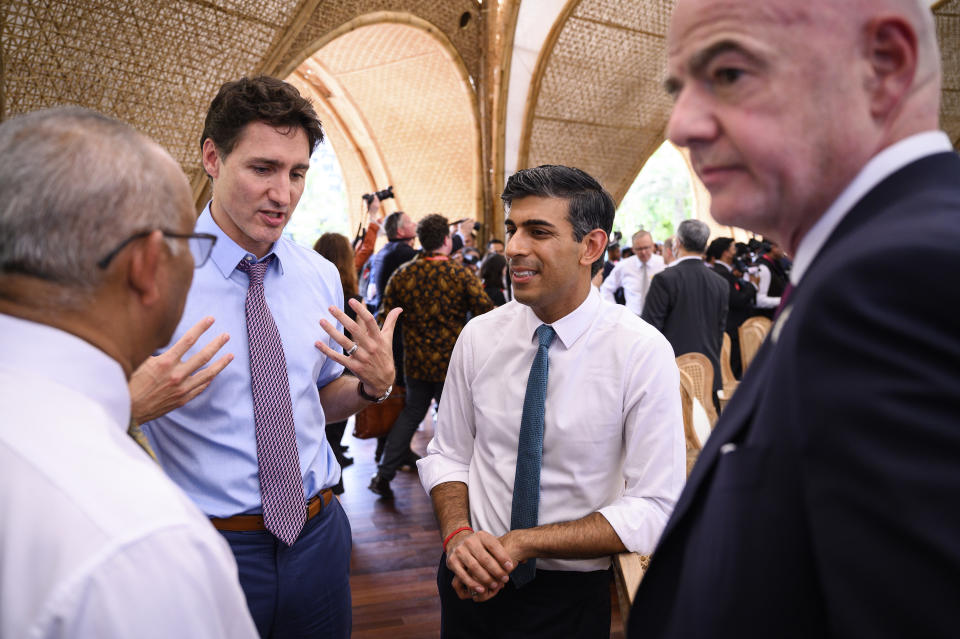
point(592, 246)
point(891, 51)
point(144, 268)
point(211, 158)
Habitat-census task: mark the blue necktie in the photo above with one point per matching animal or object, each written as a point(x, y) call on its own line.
point(526, 483)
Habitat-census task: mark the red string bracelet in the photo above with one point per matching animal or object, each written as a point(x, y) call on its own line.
point(454, 533)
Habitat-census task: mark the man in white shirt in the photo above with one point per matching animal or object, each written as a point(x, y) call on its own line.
point(95, 262)
point(771, 279)
point(610, 449)
point(634, 273)
point(824, 503)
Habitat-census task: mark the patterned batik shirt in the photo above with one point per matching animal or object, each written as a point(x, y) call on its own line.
point(437, 296)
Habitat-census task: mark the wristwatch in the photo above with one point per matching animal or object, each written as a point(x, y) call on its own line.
point(370, 398)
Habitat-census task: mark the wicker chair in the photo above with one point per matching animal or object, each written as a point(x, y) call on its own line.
point(726, 373)
point(752, 333)
point(700, 370)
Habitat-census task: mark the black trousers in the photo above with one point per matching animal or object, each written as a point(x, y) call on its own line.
point(415, 407)
point(555, 605)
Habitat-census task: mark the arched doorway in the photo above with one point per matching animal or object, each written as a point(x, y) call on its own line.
point(399, 110)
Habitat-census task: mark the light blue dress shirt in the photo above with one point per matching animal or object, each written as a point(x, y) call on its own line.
point(208, 447)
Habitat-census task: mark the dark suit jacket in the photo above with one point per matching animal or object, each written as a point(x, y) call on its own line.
point(743, 295)
point(826, 503)
point(688, 302)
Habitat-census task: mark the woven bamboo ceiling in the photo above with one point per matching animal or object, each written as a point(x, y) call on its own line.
point(600, 104)
point(400, 113)
point(397, 81)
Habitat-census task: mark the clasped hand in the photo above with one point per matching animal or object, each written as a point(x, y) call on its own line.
point(482, 563)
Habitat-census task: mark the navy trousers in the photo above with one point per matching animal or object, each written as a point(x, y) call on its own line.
point(555, 605)
point(302, 590)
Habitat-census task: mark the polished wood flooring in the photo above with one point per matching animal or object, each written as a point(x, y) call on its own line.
point(396, 548)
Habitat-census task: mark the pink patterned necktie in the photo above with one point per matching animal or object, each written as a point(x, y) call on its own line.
point(281, 484)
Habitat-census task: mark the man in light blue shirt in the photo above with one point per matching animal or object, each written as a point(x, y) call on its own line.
point(222, 446)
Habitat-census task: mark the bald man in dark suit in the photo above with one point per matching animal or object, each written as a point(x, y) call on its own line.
point(824, 503)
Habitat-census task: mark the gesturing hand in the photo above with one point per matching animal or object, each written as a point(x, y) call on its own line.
point(164, 382)
point(372, 361)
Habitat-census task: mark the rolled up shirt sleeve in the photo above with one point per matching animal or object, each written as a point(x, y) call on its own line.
point(451, 449)
point(654, 447)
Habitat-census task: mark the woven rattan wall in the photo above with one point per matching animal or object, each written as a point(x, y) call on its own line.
point(600, 104)
point(948, 32)
point(419, 111)
point(153, 64)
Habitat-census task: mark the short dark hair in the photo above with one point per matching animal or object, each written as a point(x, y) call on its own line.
point(391, 225)
point(718, 247)
point(259, 99)
point(495, 240)
point(432, 230)
point(589, 206)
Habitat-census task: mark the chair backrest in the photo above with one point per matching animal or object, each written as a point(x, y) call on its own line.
point(689, 429)
point(700, 370)
point(729, 382)
point(752, 333)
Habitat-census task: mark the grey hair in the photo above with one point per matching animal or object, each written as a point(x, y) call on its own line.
point(73, 185)
point(692, 235)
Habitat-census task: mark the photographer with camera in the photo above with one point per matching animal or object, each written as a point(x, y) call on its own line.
point(365, 241)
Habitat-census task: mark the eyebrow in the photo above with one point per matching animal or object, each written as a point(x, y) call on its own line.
point(701, 59)
point(276, 163)
point(533, 222)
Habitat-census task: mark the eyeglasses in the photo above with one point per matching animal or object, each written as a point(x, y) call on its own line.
point(201, 244)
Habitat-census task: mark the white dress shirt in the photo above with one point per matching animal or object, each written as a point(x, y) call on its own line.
point(882, 165)
point(613, 432)
point(94, 540)
point(634, 276)
point(763, 287)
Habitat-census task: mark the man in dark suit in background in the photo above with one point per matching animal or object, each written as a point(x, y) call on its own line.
point(742, 295)
point(824, 504)
point(687, 302)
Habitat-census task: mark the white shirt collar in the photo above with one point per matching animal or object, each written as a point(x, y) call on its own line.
point(688, 257)
point(571, 326)
point(724, 265)
point(885, 163)
point(31, 348)
point(226, 253)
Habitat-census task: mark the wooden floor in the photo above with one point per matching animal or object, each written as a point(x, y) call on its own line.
point(396, 549)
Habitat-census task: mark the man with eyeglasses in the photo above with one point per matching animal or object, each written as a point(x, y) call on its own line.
point(95, 221)
point(251, 450)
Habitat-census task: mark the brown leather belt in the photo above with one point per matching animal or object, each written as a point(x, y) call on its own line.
point(241, 523)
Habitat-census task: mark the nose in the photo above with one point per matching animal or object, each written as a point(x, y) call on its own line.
point(279, 190)
point(692, 120)
point(515, 246)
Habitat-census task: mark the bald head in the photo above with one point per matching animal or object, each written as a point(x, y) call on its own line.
point(782, 103)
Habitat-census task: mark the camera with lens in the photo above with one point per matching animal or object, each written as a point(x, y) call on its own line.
point(385, 194)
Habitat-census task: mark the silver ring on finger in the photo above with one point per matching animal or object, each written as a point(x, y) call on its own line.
point(353, 349)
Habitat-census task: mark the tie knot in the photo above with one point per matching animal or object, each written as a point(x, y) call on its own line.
point(545, 334)
point(255, 271)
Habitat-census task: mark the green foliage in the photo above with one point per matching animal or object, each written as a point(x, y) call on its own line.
point(659, 199)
